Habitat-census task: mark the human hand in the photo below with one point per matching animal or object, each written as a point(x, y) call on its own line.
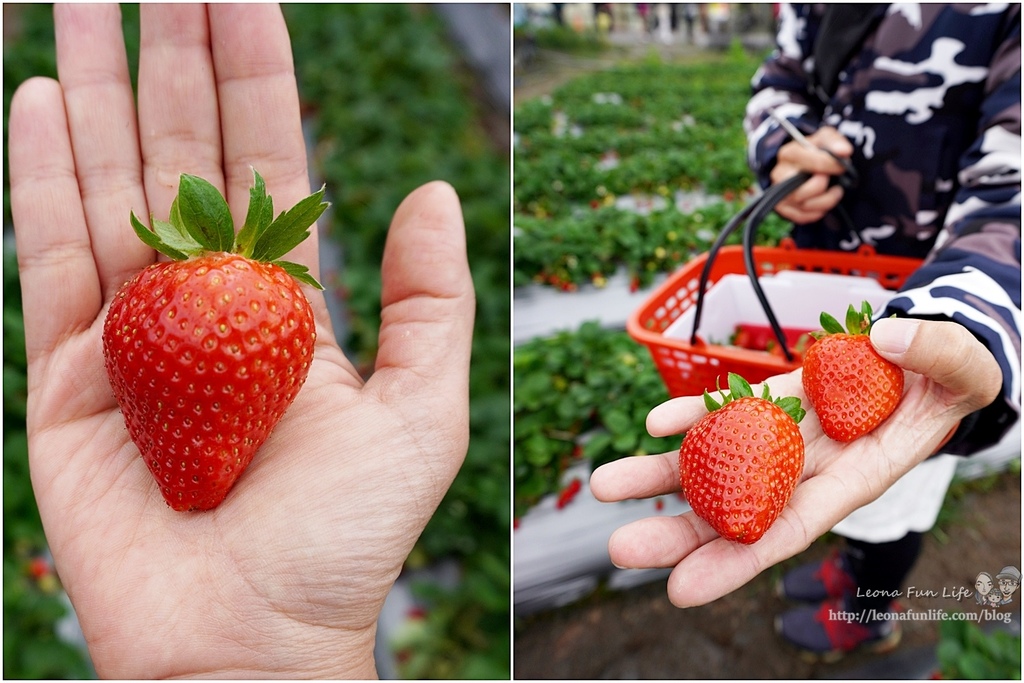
point(287, 577)
point(949, 375)
point(812, 200)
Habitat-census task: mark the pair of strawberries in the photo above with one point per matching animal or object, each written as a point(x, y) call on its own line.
point(740, 464)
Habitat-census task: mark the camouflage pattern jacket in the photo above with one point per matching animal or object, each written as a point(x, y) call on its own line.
point(931, 102)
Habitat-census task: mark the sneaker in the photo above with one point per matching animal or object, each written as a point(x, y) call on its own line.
point(831, 630)
point(818, 581)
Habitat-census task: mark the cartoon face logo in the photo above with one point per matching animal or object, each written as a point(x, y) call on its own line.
point(982, 587)
point(1009, 581)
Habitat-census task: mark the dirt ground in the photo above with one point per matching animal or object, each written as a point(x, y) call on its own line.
point(639, 634)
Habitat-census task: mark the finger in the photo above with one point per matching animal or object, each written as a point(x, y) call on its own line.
point(798, 215)
point(60, 287)
point(944, 352)
point(809, 206)
point(260, 121)
point(93, 70)
point(831, 139)
point(675, 416)
point(178, 113)
point(822, 202)
point(809, 159)
point(658, 541)
point(802, 196)
point(719, 567)
point(641, 476)
point(427, 301)
point(714, 569)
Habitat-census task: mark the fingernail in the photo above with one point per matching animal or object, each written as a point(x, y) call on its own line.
point(894, 335)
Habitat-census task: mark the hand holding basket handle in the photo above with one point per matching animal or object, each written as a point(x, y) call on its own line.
point(949, 375)
point(819, 194)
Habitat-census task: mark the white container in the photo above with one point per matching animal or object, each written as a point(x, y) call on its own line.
point(797, 298)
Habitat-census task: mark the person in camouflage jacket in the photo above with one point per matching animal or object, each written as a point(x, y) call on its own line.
point(927, 110)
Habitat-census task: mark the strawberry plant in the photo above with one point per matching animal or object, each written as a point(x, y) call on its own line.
point(965, 652)
point(582, 394)
point(739, 465)
point(647, 129)
point(593, 244)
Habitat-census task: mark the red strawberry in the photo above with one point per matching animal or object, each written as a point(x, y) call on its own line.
point(566, 495)
point(740, 463)
point(206, 352)
point(850, 387)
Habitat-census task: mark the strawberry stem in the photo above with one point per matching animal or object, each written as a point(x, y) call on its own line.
point(740, 388)
point(200, 222)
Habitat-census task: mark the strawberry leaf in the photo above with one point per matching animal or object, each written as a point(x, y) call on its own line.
point(853, 320)
point(830, 324)
point(739, 387)
point(174, 237)
point(299, 272)
point(710, 403)
point(791, 406)
point(205, 214)
point(290, 228)
point(258, 217)
point(152, 240)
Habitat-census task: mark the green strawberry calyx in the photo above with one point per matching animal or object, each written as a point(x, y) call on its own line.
point(740, 388)
point(200, 223)
point(857, 322)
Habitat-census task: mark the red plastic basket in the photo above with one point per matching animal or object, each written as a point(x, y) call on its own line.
point(689, 369)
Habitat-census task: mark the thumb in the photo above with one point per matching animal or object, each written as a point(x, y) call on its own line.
point(944, 352)
point(427, 299)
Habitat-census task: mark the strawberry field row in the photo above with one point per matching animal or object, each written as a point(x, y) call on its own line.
point(580, 395)
point(590, 245)
point(643, 130)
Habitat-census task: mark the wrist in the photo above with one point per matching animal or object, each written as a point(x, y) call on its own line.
point(274, 647)
point(311, 652)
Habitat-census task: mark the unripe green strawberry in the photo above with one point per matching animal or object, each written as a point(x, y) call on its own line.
point(205, 353)
point(740, 464)
point(851, 388)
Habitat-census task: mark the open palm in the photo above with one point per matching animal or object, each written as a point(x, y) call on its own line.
point(950, 374)
point(288, 575)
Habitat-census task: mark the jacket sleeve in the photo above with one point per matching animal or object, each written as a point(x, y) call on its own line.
point(781, 84)
point(972, 275)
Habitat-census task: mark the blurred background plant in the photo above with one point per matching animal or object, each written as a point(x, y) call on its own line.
point(967, 652)
point(389, 103)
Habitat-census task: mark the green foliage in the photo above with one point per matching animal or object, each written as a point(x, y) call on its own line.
point(590, 245)
point(583, 394)
point(649, 129)
point(564, 39)
point(465, 633)
point(967, 652)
